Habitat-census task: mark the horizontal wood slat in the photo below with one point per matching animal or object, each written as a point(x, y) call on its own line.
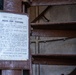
point(15, 65)
point(52, 2)
point(54, 59)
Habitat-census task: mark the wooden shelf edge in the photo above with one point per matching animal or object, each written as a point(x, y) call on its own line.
point(51, 2)
point(56, 26)
point(53, 33)
point(15, 64)
point(54, 59)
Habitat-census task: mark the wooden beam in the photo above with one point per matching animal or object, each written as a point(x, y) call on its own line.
point(14, 67)
point(55, 59)
point(67, 29)
point(41, 14)
point(54, 33)
point(52, 2)
point(56, 26)
point(13, 5)
point(11, 72)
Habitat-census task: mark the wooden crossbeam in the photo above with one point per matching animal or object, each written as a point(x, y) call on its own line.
point(54, 59)
point(52, 2)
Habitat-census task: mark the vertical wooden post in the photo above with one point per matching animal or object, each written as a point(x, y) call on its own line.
point(13, 6)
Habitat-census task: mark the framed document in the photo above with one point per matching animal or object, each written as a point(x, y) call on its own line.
point(14, 36)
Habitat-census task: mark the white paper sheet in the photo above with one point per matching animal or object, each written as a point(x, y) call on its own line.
point(14, 36)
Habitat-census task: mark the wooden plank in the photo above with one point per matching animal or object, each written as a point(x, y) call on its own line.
point(67, 29)
point(56, 26)
point(41, 14)
point(54, 59)
point(15, 65)
point(53, 33)
point(12, 72)
point(13, 5)
point(33, 13)
point(52, 2)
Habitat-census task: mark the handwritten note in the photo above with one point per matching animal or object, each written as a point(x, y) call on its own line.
point(14, 40)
